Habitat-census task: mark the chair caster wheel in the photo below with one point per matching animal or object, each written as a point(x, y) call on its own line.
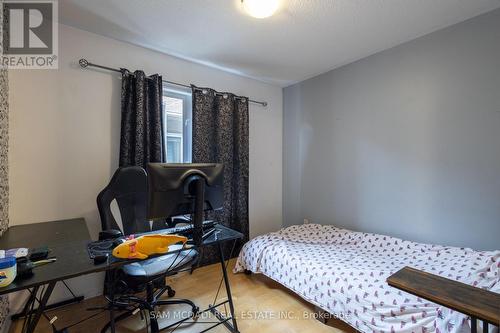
point(171, 293)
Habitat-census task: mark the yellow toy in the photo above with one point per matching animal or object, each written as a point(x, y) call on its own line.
point(144, 246)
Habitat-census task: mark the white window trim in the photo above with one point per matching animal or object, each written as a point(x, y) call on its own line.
point(186, 136)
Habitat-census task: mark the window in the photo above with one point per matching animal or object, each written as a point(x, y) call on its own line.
point(177, 124)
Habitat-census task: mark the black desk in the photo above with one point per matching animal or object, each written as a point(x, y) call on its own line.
point(67, 241)
point(39, 234)
point(222, 234)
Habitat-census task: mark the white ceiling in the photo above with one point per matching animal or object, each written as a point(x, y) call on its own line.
point(305, 38)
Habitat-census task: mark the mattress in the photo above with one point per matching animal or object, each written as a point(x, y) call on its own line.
point(344, 273)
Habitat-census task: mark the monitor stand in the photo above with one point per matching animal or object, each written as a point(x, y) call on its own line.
point(199, 202)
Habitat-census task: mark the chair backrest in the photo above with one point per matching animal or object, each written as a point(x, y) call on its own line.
point(128, 187)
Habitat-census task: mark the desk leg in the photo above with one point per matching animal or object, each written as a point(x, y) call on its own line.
point(26, 309)
point(228, 288)
point(31, 325)
point(473, 325)
point(25, 312)
point(111, 293)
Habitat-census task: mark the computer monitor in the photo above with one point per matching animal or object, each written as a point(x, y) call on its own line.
point(179, 189)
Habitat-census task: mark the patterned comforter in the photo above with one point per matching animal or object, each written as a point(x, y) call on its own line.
point(345, 272)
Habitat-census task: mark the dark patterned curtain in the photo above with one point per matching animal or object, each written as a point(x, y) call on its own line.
point(4, 174)
point(220, 135)
point(141, 125)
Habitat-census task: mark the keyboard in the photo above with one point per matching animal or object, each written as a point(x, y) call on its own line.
point(188, 229)
point(103, 248)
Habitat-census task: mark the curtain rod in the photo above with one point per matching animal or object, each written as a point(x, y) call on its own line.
point(84, 64)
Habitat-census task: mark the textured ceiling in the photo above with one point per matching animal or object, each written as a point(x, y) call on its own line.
point(305, 38)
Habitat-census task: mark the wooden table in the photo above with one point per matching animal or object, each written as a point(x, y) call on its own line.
point(475, 302)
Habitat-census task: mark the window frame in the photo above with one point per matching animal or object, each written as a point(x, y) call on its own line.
point(185, 94)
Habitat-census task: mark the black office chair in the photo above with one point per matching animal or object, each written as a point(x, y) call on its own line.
point(129, 188)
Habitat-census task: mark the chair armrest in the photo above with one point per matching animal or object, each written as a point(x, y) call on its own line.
point(179, 219)
point(110, 234)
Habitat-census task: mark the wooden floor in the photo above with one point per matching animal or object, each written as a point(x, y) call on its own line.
point(262, 305)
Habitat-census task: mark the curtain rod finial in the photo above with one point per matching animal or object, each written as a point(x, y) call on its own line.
point(83, 63)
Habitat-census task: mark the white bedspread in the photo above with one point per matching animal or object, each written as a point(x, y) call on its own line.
point(345, 272)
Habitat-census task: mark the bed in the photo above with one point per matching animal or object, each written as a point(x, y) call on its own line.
point(344, 273)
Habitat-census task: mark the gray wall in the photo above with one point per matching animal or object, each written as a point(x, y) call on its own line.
point(405, 142)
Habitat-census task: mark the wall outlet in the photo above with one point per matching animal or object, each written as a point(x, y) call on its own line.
point(306, 221)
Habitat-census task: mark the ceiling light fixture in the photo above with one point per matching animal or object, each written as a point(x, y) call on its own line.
point(261, 8)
